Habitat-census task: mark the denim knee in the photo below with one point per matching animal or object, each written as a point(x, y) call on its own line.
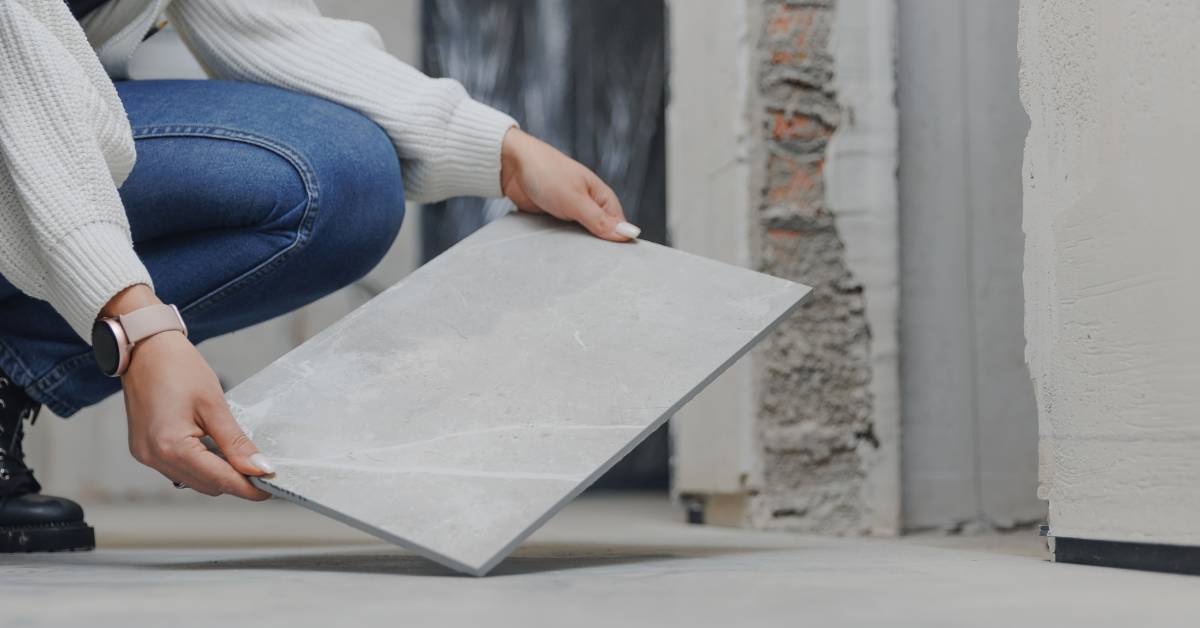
point(361, 199)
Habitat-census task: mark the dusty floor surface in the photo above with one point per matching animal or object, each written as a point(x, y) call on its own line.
point(605, 561)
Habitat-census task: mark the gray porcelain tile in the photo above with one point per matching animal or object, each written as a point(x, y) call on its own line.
point(457, 411)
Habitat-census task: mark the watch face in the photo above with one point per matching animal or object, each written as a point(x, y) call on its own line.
point(105, 348)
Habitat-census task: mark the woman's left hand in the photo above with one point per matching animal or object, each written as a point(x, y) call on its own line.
point(540, 179)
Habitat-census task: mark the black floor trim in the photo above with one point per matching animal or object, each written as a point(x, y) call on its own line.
point(1179, 559)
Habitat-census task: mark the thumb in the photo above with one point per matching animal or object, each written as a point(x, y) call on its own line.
point(218, 422)
point(599, 222)
point(612, 216)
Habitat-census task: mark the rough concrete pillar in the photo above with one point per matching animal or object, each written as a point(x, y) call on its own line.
point(817, 413)
point(811, 143)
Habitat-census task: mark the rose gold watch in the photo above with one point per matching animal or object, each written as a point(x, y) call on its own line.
point(113, 339)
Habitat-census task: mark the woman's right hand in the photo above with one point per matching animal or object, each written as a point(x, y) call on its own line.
point(172, 399)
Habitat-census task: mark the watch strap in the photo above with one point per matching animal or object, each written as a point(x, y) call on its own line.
point(145, 322)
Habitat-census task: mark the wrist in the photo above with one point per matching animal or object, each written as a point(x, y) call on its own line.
point(134, 297)
point(132, 319)
point(510, 157)
point(153, 352)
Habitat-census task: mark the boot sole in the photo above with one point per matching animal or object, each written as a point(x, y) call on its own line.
point(53, 537)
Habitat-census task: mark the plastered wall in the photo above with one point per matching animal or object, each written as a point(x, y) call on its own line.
point(970, 421)
point(1111, 263)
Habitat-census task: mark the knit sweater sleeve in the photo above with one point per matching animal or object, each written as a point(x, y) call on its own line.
point(449, 144)
point(65, 146)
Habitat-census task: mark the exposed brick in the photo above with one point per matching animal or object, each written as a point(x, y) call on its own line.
point(797, 128)
point(795, 43)
point(793, 187)
point(814, 417)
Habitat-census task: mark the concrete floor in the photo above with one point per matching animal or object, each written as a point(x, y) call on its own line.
point(605, 561)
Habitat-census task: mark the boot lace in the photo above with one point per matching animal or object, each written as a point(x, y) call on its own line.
point(15, 476)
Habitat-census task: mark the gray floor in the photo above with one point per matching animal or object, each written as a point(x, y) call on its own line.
point(605, 561)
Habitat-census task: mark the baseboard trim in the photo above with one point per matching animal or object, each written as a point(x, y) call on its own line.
point(1177, 559)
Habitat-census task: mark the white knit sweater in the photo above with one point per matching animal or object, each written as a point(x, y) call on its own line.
point(66, 145)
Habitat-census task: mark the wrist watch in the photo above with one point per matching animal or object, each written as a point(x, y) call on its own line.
point(113, 338)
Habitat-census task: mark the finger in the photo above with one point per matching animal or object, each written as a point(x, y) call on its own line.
point(619, 229)
point(179, 474)
point(209, 474)
point(217, 421)
point(599, 222)
point(605, 198)
point(193, 482)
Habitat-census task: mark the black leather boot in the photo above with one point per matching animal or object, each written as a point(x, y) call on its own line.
point(30, 521)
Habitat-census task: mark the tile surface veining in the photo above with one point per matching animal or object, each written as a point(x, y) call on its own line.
point(457, 411)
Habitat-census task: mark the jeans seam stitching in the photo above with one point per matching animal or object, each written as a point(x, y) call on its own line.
point(44, 384)
point(8, 353)
point(293, 157)
point(53, 378)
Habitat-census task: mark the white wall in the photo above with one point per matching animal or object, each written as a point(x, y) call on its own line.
point(970, 424)
point(1112, 295)
point(709, 213)
point(861, 189)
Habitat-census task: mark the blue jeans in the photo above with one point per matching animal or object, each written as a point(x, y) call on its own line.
point(246, 203)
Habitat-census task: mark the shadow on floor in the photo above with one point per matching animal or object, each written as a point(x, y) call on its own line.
point(533, 559)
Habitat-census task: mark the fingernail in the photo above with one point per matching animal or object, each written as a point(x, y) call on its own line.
point(262, 463)
point(628, 230)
